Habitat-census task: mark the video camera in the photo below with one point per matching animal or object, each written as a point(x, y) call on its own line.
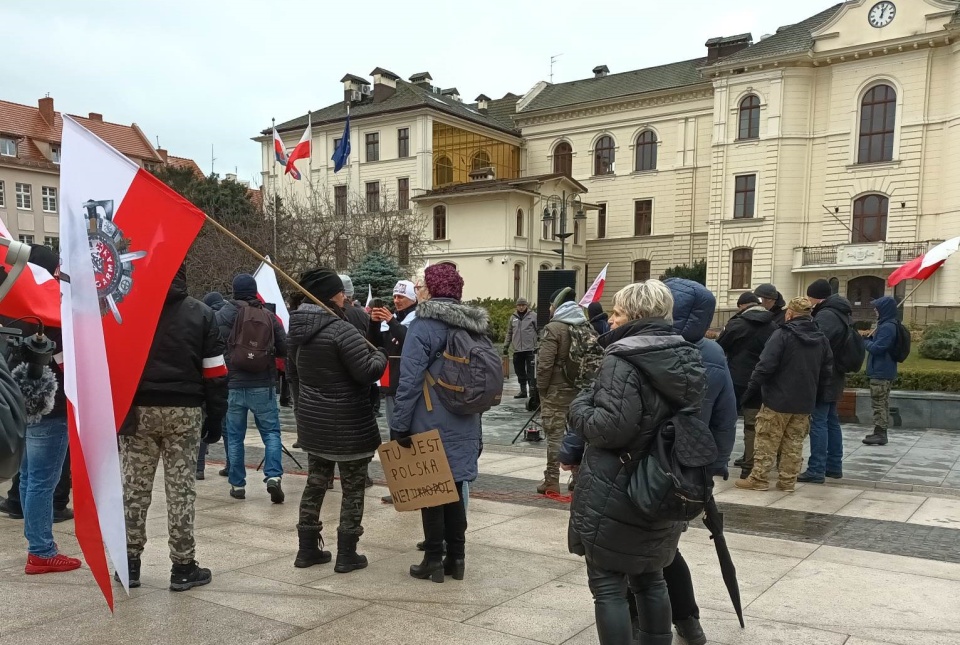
point(35, 350)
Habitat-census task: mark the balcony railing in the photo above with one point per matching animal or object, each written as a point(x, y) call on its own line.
point(853, 255)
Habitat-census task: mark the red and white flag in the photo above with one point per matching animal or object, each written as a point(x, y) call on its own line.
point(926, 265)
point(595, 292)
point(123, 236)
point(268, 290)
point(302, 151)
point(35, 293)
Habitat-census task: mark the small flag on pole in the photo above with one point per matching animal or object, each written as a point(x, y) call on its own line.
point(302, 151)
point(595, 292)
point(342, 153)
point(268, 290)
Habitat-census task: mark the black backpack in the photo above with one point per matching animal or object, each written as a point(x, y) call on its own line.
point(850, 353)
point(672, 481)
point(470, 379)
point(251, 342)
point(901, 346)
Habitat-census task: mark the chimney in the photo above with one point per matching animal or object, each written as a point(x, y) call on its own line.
point(163, 154)
point(600, 71)
point(354, 88)
point(230, 177)
point(96, 116)
point(422, 79)
point(483, 102)
point(384, 84)
point(452, 92)
point(46, 109)
point(718, 48)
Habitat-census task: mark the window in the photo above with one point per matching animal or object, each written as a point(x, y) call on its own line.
point(439, 222)
point(642, 217)
point(746, 196)
point(749, 118)
point(870, 219)
point(48, 195)
point(336, 143)
point(647, 151)
point(8, 147)
point(544, 267)
point(444, 171)
point(517, 275)
point(3, 195)
point(24, 197)
point(520, 223)
point(545, 233)
point(340, 200)
point(55, 154)
point(403, 193)
point(25, 239)
point(563, 159)
point(602, 222)
point(480, 160)
point(373, 196)
point(403, 142)
point(576, 231)
point(878, 116)
point(641, 270)
point(604, 154)
point(340, 253)
point(373, 146)
point(52, 242)
point(403, 250)
point(740, 275)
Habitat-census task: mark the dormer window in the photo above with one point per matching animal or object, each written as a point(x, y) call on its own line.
point(55, 154)
point(8, 147)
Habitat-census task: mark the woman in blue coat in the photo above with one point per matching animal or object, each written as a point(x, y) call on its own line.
point(439, 310)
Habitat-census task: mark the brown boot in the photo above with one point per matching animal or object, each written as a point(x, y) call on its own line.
point(751, 484)
point(549, 485)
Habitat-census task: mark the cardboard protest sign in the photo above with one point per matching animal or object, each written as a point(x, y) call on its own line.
point(418, 477)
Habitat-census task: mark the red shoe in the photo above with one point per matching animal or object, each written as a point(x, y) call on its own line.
point(56, 564)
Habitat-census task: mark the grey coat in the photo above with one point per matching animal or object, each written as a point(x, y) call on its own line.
point(424, 344)
point(522, 332)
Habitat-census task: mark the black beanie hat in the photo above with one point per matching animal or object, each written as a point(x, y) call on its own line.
point(244, 287)
point(819, 289)
point(322, 283)
point(746, 298)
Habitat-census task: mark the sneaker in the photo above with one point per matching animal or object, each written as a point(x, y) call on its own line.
point(56, 564)
point(751, 484)
point(133, 568)
point(238, 492)
point(786, 489)
point(223, 472)
point(834, 475)
point(368, 483)
point(15, 512)
point(200, 475)
point(188, 576)
point(62, 515)
point(276, 492)
point(809, 478)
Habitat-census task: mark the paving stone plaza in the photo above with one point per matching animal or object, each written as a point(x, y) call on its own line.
point(874, 559)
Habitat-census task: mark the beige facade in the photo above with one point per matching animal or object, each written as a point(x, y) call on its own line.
point(36, 219)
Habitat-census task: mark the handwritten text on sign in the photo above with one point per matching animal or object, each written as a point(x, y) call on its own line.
point(419, 476)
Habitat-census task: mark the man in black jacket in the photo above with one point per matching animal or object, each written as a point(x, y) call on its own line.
point(185, 373)
point(794, 367)
point(772, 301)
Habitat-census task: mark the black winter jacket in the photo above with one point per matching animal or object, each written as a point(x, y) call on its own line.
point(186, 337)
point(358, 317)
point(743, 339)
point(794, 368)
point(648, 374)
point(832, 316)
point(226, 317)
point(391, 341)
point(331, 369)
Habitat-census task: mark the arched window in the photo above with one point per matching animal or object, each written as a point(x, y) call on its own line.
point(834, 285)
point(641, 270)
point(480, 160)
point(517, 275)
point(646, 151)
point(749, 118)
point(439, 222)
point(604, 154)
point(878, 116)
point(741, 268)
point(520, 223)
point(870, 219)
point(443, 171)
point(861, 292)
point(563, 159)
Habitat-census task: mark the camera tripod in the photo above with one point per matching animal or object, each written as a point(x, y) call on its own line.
point(287, 453)
point(533, 422)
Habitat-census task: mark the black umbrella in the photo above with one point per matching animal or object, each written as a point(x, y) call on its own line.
point(713, 520)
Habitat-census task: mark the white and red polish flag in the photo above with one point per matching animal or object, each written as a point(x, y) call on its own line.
point(35, 293)
point(927, 264)
point(595, 292)
point(302, 151)
point(123, 236)
point(268, 290)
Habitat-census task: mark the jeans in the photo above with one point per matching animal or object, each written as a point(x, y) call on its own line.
point(40, 469)
point(61, 494)
point(826, 441)
point(609, 589)
point(445, 524)
point(262, 402)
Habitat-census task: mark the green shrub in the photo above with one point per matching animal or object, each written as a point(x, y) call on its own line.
point(500, 311)
point(928, 381)
point(697, 272)
point(941, 342)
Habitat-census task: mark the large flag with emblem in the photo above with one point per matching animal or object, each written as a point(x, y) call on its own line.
point(35, 293)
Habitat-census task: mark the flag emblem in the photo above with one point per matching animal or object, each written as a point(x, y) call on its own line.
point(111, 255)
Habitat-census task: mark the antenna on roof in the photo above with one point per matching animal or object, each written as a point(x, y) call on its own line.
point(158, 140)
point(553, 59)
point(212, 159)
point(48, 94)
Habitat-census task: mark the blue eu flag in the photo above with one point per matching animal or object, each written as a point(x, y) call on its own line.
point(342, 153)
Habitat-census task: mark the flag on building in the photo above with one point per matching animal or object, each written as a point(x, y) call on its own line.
point(280, 152)
point(123, 235)
point(268, 290)
point(302, 151)
point(35, 293)
point(926, 265)
point(595, 292)
point(342, 152)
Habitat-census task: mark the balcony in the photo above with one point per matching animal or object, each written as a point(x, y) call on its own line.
point(875, 255)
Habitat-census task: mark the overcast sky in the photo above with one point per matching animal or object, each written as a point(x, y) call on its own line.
point(202, 72)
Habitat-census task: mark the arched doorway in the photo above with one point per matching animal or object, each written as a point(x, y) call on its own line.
point(861, 292)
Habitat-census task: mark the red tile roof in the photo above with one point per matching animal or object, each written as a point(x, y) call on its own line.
point(183, 162)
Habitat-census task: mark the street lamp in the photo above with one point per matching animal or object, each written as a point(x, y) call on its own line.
point(551, 213)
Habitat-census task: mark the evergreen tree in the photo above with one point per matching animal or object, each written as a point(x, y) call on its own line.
point(380, 272)
point(697, 273)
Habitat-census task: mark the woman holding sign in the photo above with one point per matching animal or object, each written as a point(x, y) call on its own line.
point(416, 411)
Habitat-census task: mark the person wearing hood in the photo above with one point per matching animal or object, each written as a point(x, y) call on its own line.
point(742, 341)
point(556, 392)
point(184, 375)
point(331, 370)
point(833, 315)
point(522, 334)
point(793, 371)
point(772, 301)
point(598, 318)
point(648, 374)
point(439, 311)
point(215, 301)
point(881, 367)
point(356, 315)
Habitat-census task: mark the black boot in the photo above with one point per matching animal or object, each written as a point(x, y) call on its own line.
point(133, 569)
point(523, 391)
point(347, 557)
point(878, 438)
point(188, 576)
point(690, 631)
point(311, 547)
point(454, 567)
point(432, 567)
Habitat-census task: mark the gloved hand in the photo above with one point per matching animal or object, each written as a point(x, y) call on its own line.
point(405, 439)
point(212, 430)
point(721, 472)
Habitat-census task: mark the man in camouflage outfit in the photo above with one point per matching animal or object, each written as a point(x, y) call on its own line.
point(185, 372)
point(556, 390)
point(793, 371)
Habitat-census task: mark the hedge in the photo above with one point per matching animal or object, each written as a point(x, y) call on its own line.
point(500, 311)
point(930, 381)
point(941, 342)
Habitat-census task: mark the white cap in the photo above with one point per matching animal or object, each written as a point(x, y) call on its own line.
point(347, 285)
point(407, 289)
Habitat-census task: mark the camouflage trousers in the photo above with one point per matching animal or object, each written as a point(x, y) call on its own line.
point(880, 399)
point(784, 433)
point(171, 435)
point(554, 415)
point(353, 477)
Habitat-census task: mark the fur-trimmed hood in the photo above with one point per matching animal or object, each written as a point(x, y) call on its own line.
point(455, 314)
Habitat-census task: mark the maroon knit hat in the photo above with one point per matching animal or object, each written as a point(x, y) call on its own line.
point(443, 281)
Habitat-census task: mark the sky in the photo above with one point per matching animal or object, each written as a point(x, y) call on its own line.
point(204, 73)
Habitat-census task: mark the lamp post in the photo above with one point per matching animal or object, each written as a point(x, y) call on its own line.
point(557, 207)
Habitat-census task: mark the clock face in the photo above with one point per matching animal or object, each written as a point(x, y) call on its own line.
point(882, 14)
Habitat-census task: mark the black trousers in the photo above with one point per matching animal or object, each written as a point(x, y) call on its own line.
point(683, 601)
point(61, 494)
point(523, 366)
point(445, 523)
point(612, 611)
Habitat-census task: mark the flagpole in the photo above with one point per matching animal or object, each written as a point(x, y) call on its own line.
point(310, 159)
point(919, 284)
point(273, 169)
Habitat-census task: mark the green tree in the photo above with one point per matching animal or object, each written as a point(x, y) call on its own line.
point(225, 201)
point(697, 273)
point(379, 271)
